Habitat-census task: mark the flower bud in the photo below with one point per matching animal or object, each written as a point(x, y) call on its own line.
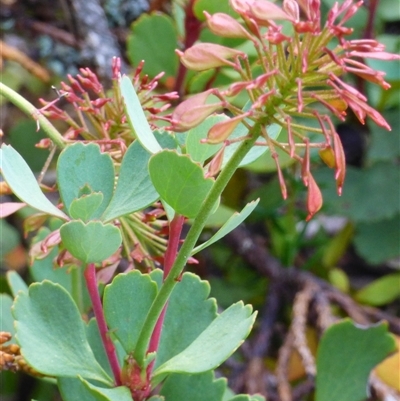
point(266, 11)
point(292, 8)
point(221, 131)
point(240, 6)
point(216, 163)
point(224, 25)
point(193, 111)
point(204, 56)
point(340, 162)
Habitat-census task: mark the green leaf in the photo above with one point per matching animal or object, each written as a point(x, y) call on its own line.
point(85, 207)
point(256, 151)
point(136, 117)
point(16, 283)
point(6, 318)
point(83, 169)
point(9, 238)
point(135, 190)
point(22, 182)
point(189, 313)
point(212, 7)
point(200, 387)
point(215, 344)
point(166, 139)
point(200, 152)
point(179, 181)
point(154, 39)
point(42, 269)
point(96, 344)
point(92, 242)
point(378, 241)
point(127, 301)
point(235, 220)
point(381, 291)
point(73, 389)
point(245, 397)
point(346, 355)
point(368, 194)
point(52, 335)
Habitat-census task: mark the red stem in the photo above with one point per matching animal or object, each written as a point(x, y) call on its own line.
point(91, 284)
point(175, 230)
point(192, 33)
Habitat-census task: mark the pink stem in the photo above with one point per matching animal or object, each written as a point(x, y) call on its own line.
point(91, 284)
point(175, 230)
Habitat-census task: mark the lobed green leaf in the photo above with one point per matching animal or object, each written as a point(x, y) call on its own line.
point(179, 181)
point(52, 335)
point(92, 242)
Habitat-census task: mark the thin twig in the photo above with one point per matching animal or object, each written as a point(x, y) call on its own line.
point(299, 325)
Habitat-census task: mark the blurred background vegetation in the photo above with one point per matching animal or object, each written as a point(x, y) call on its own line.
point(353, 243)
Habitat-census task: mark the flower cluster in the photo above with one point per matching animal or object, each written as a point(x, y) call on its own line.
point(99, 115)
point(301, 78)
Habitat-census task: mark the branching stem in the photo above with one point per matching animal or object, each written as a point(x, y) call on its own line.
point(189, 243)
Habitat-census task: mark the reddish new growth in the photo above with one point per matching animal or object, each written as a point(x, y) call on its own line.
point(301, 77)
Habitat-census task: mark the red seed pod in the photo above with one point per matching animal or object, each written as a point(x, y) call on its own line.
point(340, 161)
point(314, 198)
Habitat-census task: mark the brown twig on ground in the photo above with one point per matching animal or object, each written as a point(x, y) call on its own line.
point(298, 326)
point(312, 301)
point(283, 385)
point(11, 53)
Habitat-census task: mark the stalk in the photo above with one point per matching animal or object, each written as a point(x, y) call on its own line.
point(189, 243)
point(91, 283)
point(175, 230)
point(29, 109)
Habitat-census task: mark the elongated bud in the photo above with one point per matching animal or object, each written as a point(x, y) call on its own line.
point(204, 56)
point(340, 162)
point(116, 67)
point(221, 131)
point(224, 25)
point(193, 111)
point(292, 8)
point(267, 11)
point(305, 168)
point(314, 198)
point(240, 6)
point(216, 163)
